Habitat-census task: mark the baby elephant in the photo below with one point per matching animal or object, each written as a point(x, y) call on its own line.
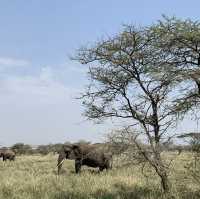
point(85, 154)
point(7, 154)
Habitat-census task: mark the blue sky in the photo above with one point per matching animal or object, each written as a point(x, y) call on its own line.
point(38, 81)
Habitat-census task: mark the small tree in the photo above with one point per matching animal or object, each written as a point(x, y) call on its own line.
point(124, 86)
point(123, 144)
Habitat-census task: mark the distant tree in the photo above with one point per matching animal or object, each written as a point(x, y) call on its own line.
point(21, 148)
point(82, 141)
point(56, 147)
point(67, 142)
point(43, 149)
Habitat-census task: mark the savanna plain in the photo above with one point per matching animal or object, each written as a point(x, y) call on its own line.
point(35, 177)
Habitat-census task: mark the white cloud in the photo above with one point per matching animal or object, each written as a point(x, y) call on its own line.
point(41, 88)
point(12, 62)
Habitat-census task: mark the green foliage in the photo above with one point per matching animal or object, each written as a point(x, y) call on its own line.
point(43, 149)
point(21, 148)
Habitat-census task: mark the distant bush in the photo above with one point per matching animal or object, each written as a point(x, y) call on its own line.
point(45, 149)
point(21, 148)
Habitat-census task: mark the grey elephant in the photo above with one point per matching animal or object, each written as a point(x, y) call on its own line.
point(7, 154)
point(85, 154)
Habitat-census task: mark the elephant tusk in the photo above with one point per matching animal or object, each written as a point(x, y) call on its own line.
point(60, 163)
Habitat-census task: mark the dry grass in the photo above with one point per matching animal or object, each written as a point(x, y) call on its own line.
point(35, 177)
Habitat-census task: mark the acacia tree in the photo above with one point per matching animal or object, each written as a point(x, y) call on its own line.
point(123, 86)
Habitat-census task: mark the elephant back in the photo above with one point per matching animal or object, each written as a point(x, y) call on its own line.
point(9, 152)
point(83, 150)
point(96, 153)
point(1, 152)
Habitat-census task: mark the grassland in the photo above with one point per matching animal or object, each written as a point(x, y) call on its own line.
point(34, 177)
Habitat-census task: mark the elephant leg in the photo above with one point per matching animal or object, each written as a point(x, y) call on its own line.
point(101, 168)
point(77, 166)
point(4, 158)
point(11, 158)
point(107, 166)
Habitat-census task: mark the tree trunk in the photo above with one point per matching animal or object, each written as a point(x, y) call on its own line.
point(161, 170)
point(164, 181)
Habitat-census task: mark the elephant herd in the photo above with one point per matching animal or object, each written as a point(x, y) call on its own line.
point(83, 154)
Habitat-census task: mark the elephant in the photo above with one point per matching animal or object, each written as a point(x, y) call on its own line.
point(7, 154)
point(85, 154)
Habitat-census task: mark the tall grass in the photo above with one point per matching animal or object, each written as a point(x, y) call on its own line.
point(35, 177)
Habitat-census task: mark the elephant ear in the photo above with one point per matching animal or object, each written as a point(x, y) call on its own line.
point(66, 149)
point(77, 151)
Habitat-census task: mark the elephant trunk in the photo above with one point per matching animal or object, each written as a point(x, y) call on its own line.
point(109, 160)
